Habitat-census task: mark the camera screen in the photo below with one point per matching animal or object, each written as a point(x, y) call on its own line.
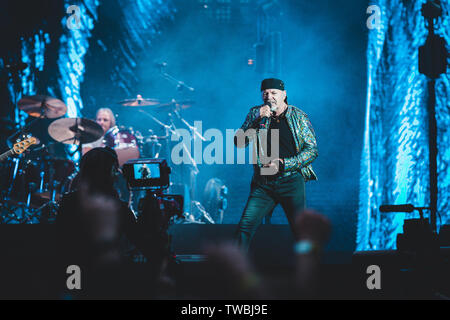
point(144, 171)
point(145, 174)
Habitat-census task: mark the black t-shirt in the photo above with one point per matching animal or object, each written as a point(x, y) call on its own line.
point(287, 143)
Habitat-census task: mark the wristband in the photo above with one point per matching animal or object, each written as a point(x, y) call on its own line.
point(306, 247)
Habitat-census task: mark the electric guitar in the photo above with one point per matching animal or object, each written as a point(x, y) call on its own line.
point(19, 147)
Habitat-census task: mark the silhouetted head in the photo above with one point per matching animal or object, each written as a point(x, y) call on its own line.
point(98, 169)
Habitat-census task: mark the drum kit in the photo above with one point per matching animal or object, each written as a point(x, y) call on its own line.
point(31, 184)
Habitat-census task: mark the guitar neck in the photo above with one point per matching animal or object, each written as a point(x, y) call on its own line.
point(6, 155)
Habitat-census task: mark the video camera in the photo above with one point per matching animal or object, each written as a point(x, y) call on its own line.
point(147, 174)
point(152, 175)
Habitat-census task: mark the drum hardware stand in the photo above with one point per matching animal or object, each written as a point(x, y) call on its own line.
point(192, 128)
point(165, 126)
point(31, 187)
point(174, 132)
point(168, 129)
point(76, 129)
point(195, 205)
point(193, 168)
point(157, 146)
point(198, 206)
point(52, 205)
point(45, 165)
point(16, 169)
point(172, 129)
point(77, 137)
point(194, 133)
point(11, 213)
point(180, 84)
point(193, 176)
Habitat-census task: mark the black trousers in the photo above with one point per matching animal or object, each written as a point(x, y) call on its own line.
point(265, 194)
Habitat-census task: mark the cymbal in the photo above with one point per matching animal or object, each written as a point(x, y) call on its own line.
point(75, 130)
point(39, 105)
point(139, 101)
point(183, 104)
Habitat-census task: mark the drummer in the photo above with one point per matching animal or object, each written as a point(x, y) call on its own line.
point(105, 118)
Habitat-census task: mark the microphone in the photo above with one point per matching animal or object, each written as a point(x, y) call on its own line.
point(182, 85)
point(160, 64)
point(397, 208)
point(264, 124)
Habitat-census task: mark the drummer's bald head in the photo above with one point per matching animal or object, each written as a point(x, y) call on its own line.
point(112, 118)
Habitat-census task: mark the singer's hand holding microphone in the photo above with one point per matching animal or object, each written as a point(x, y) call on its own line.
point(266, 110)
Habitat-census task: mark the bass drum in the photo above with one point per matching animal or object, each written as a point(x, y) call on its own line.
point(124, 142)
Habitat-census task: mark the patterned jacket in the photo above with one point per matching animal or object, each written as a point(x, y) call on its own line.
point(304, 137)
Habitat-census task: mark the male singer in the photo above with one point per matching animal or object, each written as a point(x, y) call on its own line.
point(144, 171)
point(297, 148)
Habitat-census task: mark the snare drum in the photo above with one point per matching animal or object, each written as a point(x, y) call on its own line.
point(124, 142)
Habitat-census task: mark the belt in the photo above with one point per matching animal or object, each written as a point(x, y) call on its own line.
point(267, 178)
